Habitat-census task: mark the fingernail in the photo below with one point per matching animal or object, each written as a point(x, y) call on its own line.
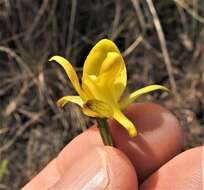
point(88, 172)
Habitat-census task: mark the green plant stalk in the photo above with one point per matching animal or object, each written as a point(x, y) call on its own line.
point(104, 131)
point(3, 168)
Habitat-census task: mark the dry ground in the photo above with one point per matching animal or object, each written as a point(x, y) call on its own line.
point(32, 129)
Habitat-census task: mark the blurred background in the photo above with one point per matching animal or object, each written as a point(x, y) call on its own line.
point(162, 42)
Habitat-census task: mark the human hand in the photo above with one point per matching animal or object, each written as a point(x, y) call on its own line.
point(137, 163)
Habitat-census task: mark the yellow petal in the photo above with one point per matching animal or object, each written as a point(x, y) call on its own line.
point(125, 122)
point(111, 63)
point(106, 62)
point(112, 77)
point(66, 99)
point(133, 96)
point(95, 91)
point(97, 55)
point(69, 71)
point(120, 82)
point(97, 108)
point(90, 88)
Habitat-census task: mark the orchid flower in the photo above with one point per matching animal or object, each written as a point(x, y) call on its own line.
point(102, 85)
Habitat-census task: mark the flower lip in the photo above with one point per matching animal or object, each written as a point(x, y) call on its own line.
point(99, 108)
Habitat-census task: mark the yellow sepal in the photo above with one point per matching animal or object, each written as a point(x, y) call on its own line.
point(66, 99)
point(125, 122)
point(134, 95)
point(69, 71)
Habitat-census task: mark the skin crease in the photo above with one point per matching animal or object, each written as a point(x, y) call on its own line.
point(102, 172)
point(157, 128)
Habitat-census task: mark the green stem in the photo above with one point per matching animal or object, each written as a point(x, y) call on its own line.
point(104, 131)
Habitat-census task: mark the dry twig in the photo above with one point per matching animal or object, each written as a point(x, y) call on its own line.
point(20, 131)
point(192, 12)
point(41, 12)
point(131, 48)
point(12, 53)
point(140, 15)
point(71, 26)
point(162, 41)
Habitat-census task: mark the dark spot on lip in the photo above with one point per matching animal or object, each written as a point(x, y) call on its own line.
point(87, 105)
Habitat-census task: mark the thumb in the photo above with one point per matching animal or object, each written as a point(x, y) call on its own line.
point(100, 168)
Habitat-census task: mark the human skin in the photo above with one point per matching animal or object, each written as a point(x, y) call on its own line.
point(151, 160)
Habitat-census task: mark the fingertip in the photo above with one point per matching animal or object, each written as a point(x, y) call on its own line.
point(46, 178)
point(182, 172)
point(100, 168)
point(78, 147)
point(159, 137)
point(121, 170)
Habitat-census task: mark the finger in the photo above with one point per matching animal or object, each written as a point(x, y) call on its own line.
point(76, 149)
point(159, 137)
point(182, 172)
point(85, 170)
point(45, 179)
point(101, 168)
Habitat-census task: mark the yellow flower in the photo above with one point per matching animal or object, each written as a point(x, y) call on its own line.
point(103, 82)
